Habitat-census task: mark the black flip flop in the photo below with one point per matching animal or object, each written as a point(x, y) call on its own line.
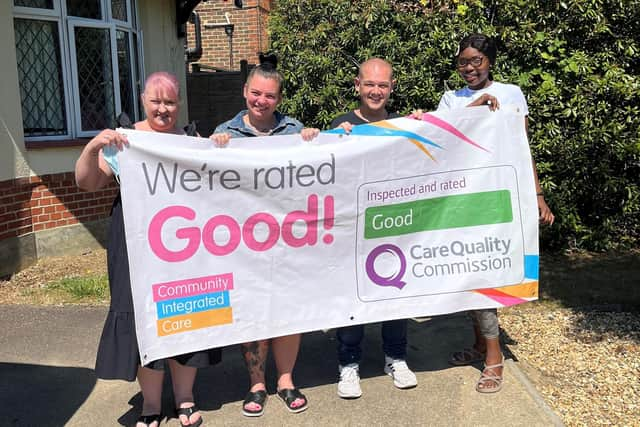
point(149, 419)
point(187, 412)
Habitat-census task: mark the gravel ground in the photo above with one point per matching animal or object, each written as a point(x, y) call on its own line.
point(584, 363)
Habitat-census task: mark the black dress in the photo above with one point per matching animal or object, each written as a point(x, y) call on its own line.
point(118, 354)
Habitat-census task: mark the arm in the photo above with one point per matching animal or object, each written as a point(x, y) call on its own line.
point(92, 171)
point(546, 216)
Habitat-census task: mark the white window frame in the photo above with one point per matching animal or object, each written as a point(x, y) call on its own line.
point(128, 23)
point(135, 74)
point(66, 25)
point(115, 86)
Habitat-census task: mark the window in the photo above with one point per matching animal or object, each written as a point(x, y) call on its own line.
point(78, 65)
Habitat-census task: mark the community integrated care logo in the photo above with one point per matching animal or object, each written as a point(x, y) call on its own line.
point(189, 304)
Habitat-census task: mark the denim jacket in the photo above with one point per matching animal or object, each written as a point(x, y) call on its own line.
point(236, 127)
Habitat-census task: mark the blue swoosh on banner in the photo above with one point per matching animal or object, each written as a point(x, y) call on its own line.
point(531, 266)
point(372, 130)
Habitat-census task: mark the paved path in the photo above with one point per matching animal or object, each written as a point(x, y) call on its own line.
point(47, 379)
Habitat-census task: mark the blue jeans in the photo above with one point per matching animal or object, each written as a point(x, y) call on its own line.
point(394, 341)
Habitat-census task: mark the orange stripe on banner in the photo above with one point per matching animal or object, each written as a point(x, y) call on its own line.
point(522, 290)
point(387, 125)
point(192, 321)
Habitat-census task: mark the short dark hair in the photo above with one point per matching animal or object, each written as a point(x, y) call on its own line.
point(482, 43)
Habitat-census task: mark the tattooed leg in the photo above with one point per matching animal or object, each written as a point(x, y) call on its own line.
point(255, 357)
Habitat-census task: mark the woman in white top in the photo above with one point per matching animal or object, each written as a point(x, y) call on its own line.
point(474, 59)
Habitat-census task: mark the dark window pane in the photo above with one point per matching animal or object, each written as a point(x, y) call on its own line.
point(138, 85)
point(40, 73)
point(84, 8)
point(40, 4)
point(95, 78)
point(119, 9)
point(124, 73)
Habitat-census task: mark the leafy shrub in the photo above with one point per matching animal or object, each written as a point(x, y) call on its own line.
point(577, 61)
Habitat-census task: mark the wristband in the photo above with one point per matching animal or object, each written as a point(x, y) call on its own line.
point(540, 194)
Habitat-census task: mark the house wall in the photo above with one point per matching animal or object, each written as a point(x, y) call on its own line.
point(42, 211)
point(11, 136)
point(249, 37)
point(162, 49)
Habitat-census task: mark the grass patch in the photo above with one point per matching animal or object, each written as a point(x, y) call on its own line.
point(92, 289)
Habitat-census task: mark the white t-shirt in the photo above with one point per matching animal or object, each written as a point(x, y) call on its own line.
point(507, 95)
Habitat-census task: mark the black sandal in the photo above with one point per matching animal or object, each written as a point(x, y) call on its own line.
point(187, 412)
point(149, 419)
point(289, 395)
point(259, 398)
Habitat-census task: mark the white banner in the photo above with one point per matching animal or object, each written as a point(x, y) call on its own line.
point(273, 236)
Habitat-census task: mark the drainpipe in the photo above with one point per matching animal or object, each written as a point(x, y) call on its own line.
point(193, 54)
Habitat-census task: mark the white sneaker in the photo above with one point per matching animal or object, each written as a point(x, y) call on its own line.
point(402, 376)
point(349, 384)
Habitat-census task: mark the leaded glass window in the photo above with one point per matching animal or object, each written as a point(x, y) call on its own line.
point(95, 78)
point(40, 4)
point(78, 67)
point(125, 73)
point(85, 8)
point(119, 9)
point(41, 80)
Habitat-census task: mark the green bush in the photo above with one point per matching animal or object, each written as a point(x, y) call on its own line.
point(577, 61)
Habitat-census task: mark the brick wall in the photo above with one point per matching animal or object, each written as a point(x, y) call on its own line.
point(249, 36)
point(36, 203)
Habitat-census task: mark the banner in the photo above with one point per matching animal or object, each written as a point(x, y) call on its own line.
point(273, 235)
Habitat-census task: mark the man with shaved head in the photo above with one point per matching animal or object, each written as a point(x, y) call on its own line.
point(374, 85)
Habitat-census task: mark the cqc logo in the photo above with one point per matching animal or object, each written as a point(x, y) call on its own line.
point(386, 265)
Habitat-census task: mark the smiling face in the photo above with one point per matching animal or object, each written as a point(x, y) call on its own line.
point(262, 96)
point(474, 68)
point(161, 107)
point(374, 85)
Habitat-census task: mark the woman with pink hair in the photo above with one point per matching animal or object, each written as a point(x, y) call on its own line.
point(118, 354)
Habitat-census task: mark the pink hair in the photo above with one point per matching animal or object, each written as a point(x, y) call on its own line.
point(163, 80)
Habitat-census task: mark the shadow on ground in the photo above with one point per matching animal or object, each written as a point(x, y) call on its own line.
point(593, 285)
point(317, 363)
point(25, 388)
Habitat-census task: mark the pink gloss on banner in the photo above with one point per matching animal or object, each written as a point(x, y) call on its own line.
point(190, 287)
